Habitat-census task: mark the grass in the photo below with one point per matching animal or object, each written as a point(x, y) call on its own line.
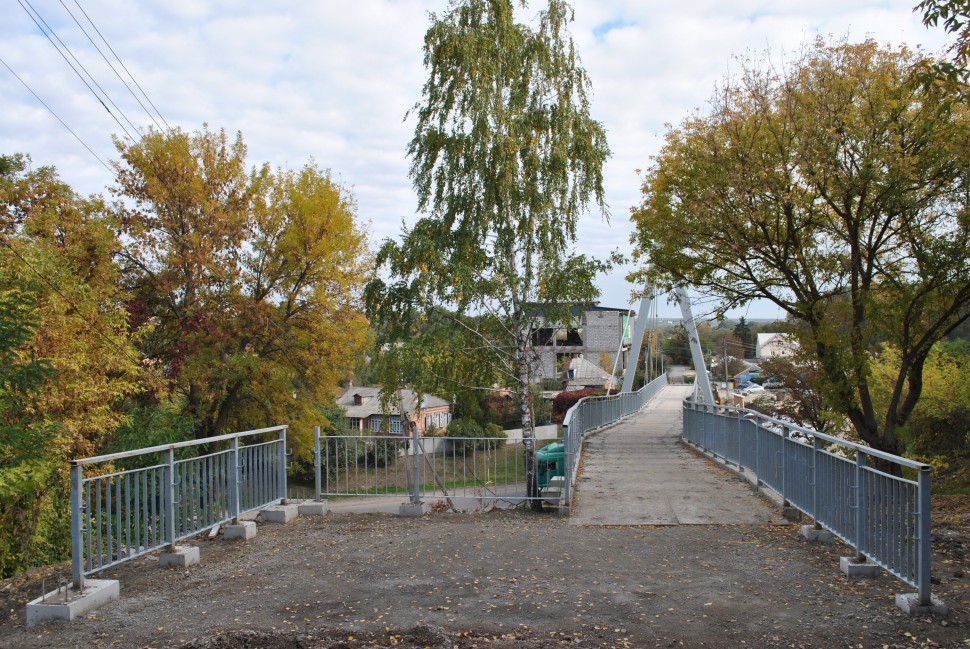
point(475, 470)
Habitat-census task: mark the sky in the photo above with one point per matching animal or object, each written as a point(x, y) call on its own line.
point(332, 81)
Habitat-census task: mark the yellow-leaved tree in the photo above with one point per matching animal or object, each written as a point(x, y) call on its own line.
point(250, 280)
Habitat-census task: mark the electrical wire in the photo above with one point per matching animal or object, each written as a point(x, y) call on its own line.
point(56, 116)
point(113, 69)
point(80, 76)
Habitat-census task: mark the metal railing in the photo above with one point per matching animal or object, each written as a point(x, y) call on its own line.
point(843, 486)
point(381, 465)
point(121, 513)
point(591, 413)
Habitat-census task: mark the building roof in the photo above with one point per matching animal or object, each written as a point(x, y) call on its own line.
point(785, 341)
point(583, 373)
point(370, 399)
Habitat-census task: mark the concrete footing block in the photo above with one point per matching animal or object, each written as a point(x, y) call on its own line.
point(184, 556)
point(909, 603)
point(852, 567)
point(313, 508)
point(412, 510)
point(279, 514)
point(815, 535)
point(790, 513)
point(67, 604)
point(244, 531)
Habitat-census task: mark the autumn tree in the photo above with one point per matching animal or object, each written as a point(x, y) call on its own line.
point(250, 280)
point(63, 301)
point(504, 158)
point(836, 189)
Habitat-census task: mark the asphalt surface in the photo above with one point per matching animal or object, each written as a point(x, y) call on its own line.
point(639, 473)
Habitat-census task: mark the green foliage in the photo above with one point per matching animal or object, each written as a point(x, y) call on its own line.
point(955, 18)
point(504, 158)
point(472, 437)
point(940, 423)
point(835, 190)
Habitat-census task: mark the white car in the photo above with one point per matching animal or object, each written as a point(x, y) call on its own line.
point(754, 388)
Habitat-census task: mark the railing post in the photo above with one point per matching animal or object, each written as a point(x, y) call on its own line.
point(317, 468)
point(785, 440)
point(170, 498)
point(816, 450)
point(416, 486)
point(568, 459)
point(234, 479)
point(282, 468)
point(860, 506)
point(77, 526)
point(925, 557)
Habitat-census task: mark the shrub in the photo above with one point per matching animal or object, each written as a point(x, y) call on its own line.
point(471, 436)
point(566, 400)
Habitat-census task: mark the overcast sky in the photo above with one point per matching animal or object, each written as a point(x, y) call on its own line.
point(332, 80)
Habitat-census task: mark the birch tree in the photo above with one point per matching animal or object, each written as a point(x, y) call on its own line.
point(504, 159)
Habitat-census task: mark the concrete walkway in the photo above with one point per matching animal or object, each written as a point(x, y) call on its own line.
point(639, 473)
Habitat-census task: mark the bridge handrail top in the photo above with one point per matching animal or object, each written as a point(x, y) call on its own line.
point(174, 445)
point(605, 397)
point(866, 450)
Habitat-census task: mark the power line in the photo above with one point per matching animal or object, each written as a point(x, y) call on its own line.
point(63, 123)
point(113, 69)
point(80, 76)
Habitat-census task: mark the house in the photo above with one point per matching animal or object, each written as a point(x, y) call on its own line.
point(775, 345)
point(366, 414)
point(595, 332)
point(583, 374)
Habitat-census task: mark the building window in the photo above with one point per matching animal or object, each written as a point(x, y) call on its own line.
point(376, 423)
point(396, 427)
point(353, 423)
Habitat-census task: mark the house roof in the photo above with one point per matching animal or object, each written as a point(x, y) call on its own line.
point(787, 341)
point(582, 373)
point(371, 402)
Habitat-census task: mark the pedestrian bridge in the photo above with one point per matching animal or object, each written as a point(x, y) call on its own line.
point(638, 472)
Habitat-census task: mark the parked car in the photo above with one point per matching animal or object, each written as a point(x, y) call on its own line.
point(754, 388)
point(773, 384)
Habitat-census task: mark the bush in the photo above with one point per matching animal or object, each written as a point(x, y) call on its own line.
point(566, 400)
point(471, 436)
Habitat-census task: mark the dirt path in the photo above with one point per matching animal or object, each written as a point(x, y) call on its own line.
point(499, 580)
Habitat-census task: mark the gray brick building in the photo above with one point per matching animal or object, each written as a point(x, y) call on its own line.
point(595, 334)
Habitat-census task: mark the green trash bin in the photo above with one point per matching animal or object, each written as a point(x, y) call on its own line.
point(550, 462)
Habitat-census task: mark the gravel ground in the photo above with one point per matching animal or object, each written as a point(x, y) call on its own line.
point(505, 579)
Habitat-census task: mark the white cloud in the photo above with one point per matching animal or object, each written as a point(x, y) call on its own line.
point(333, 80)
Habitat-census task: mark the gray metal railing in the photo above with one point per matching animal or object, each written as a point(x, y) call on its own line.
point(365, 465)
point(843, 486)
point(591, 413)
point(118, 514)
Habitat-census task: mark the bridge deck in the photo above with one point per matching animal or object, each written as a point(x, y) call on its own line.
point(639, 473)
